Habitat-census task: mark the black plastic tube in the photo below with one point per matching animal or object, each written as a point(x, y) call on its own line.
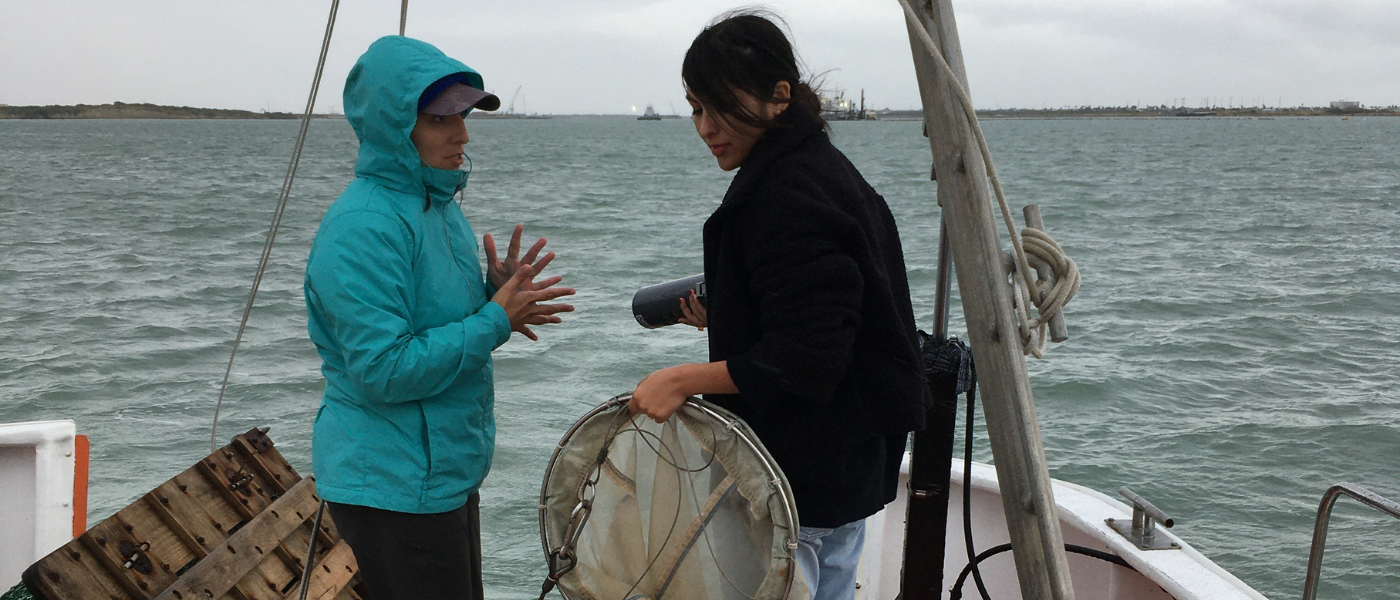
point(659, 305)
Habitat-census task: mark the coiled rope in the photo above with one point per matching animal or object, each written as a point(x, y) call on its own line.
point(276, 222)
point(1032, 247)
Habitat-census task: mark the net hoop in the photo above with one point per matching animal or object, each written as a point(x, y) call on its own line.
point(615, 410)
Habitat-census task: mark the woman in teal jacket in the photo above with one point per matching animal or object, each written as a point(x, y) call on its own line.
point(405, 322)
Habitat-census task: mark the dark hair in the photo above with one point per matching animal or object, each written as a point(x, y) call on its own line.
point(744, 51)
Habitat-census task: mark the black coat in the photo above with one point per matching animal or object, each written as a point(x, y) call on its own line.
point(808, 301)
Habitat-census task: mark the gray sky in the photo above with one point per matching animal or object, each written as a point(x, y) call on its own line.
point(611, 56)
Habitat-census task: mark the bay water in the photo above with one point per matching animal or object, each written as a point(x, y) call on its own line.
point(1232, 351)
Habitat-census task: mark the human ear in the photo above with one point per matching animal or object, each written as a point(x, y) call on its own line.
point(781, 91)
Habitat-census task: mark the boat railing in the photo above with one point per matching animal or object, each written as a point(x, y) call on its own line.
point(1324, 515)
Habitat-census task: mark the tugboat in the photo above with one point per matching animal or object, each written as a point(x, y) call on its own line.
point(649, 115)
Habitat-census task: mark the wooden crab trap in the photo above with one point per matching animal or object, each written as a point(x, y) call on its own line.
point(237, 525)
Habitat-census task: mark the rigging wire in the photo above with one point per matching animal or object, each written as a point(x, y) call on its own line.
point(310, 561)
point(276, 221)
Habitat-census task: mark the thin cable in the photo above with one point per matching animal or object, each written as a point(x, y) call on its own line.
point(956, 592)
point(276, 221)
point(403, 17)
point(967, 492)
point(310, 552)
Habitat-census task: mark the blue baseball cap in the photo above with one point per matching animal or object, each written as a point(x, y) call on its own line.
point(453, 95)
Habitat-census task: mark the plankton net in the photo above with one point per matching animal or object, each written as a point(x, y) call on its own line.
point(693, 508)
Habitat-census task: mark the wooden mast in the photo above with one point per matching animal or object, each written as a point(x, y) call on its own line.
point(1031, 517)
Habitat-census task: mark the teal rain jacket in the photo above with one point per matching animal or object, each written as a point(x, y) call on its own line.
point(399, 309)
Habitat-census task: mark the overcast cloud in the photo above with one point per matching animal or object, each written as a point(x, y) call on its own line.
point(611, 56)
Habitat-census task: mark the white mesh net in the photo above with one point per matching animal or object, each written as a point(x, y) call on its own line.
point(693, 508)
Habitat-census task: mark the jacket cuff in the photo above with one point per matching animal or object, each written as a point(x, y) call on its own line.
point(499, 320)
point(758, 388)
point(774, 375)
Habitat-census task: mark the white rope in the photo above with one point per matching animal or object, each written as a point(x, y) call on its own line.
point(1037, 243)
point(276, 222)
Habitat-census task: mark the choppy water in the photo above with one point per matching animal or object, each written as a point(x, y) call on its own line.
point(1232, 350)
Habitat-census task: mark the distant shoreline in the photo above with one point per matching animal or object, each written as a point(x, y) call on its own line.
point(121, 110)
point(1109, 112)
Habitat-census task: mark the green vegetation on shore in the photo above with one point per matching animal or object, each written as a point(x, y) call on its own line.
point(122, 110)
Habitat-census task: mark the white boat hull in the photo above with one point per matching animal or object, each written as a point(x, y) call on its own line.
point(1183, 574)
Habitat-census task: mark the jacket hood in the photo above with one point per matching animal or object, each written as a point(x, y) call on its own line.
point(381, 104)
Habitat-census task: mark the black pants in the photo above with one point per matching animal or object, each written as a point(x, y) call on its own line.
point(404, 556)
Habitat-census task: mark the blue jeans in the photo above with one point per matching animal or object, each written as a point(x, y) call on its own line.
point(828, 559)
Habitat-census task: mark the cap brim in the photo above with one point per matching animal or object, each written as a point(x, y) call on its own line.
point(459, 97)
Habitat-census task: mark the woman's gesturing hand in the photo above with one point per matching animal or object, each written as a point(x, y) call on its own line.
point(521, 295)
point(501, 271)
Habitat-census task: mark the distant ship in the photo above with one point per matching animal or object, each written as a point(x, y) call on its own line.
point(649, 115)
point(835, 106)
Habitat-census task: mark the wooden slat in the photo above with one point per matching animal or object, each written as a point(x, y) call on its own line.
point(232, 561)
point(197, 545)
point(160, 500)
point(206, 512)
point(331, 574)
point(71, 572)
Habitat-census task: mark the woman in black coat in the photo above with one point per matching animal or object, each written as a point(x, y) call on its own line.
point(812, 336)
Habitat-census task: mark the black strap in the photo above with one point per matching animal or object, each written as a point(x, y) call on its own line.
point(949, 371)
